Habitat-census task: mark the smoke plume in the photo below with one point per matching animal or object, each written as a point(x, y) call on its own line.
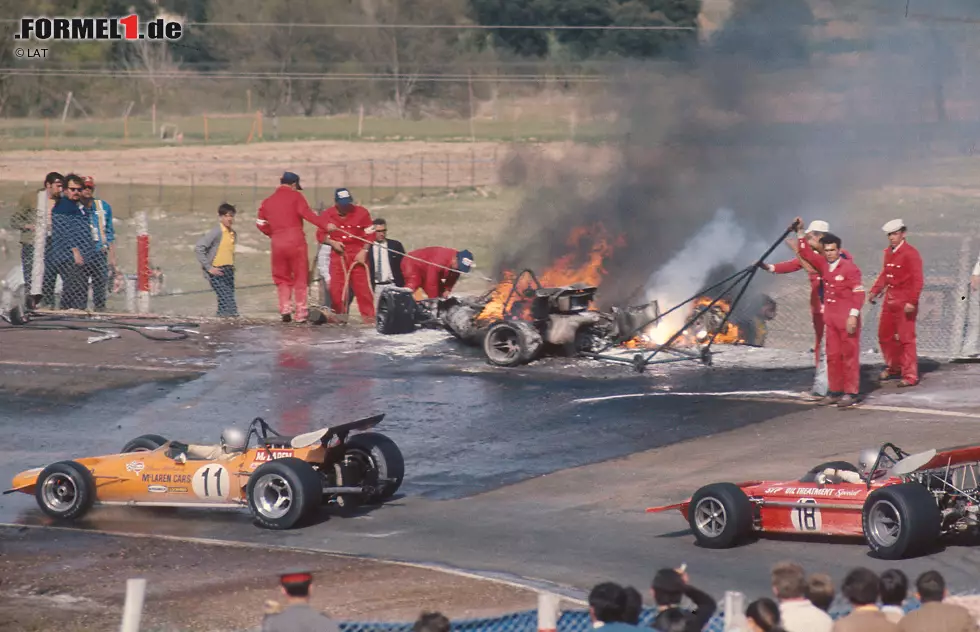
point(777, 115)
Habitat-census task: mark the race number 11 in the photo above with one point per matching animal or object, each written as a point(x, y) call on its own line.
point(211, 482)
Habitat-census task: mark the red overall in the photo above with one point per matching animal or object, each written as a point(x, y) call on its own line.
point(281, 217)
point(354, 222)
point(843, 296)
point(435, 280)
point(901, 280)
point(816, 304)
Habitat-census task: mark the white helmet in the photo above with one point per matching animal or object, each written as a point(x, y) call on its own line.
point(232, 440)
point(866, 460)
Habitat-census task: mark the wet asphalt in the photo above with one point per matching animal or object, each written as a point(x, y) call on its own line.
point(467, 430)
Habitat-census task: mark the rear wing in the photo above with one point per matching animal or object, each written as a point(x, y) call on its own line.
point(324, 435)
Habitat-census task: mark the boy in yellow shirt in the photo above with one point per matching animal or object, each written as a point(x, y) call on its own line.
point(216, 254)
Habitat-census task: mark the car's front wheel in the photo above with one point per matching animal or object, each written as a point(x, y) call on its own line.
point(65, 490)
point(901, 521)
point(283, 492)
point(720, 515)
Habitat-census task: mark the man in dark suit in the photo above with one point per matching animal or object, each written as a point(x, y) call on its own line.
point(384, 260)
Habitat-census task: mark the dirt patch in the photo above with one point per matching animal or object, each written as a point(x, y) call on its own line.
point(74, 581)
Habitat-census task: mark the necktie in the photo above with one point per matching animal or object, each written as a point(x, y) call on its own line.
point(378, 267)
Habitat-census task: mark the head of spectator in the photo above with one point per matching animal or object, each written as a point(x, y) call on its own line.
point(344, 200)
point(431, 622)
point(930, 586)
point(861, 587)
point(668, 588)
point(226, 215)
point(762, 615)
point(673, 620)
point(788, 581)
point(820, 590)
point(74, 185)
point(380, 227)
point(291, 180)
point(54, 182)
point(831, 247)
point(894, 587)
point(88, 190)
point(607, 602)
point(634, 606)
point(296, 586)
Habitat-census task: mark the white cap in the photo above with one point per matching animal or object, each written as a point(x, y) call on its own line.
point(819, 226)
point(892, 226)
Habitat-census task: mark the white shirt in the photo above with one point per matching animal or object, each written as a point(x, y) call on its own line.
point(799, 615)
point(379, 255)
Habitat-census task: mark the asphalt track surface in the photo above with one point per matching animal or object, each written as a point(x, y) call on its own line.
point(498, 461)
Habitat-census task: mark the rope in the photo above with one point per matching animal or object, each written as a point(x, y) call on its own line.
point(67, 323)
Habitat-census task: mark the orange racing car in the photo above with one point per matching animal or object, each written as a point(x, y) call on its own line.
point(283, 480)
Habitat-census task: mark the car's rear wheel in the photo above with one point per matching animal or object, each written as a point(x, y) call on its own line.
point(144, 443)
point(65, 490)
point(374, 460)
point(511, 343)
point(720, 515)
point(901, 521)
point(283, 492)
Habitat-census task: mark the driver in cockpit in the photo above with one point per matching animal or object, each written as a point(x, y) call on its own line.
point(232, 445)
point(866, 460)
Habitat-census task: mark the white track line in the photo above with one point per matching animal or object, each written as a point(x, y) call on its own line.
point(296, 549)
point(919, 411)
point(119, 367)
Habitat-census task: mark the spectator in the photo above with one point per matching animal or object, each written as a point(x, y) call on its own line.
point(820, 590)
point(384, 260)
point(762, 615)
point(216, 254)
point(934, 615)
point(669, 587)
point(298, 615)
point(431, 622)
point(97, 270)
point(634, 606)
point(23, 220)
point(607, 608)
point(71, 245)
point(861, 587)
point(894, 590)
point(797, 613)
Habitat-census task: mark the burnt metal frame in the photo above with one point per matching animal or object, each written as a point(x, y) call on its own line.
point(640, 361)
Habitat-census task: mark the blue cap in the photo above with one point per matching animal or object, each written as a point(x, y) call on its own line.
point(290, 178)
point(343, 197)
point(464, 260)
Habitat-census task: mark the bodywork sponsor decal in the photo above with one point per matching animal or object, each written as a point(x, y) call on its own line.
point(262, 455)
point(157, 489)
point(167, 478)
point(135, 466)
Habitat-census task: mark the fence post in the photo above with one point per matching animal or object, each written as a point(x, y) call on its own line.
point(547, 612)
point(422, 175)
point(371, 187)
point(143, 263)
point(957, 341)
point(398, 160)
point(448, 186)
point(192, 191)
point(472, 169)
point(133, 608)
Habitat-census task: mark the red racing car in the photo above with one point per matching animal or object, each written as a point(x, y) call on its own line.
point(900, 503)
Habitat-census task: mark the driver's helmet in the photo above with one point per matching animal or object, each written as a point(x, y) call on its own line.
point(232, 440)
point(866, 461)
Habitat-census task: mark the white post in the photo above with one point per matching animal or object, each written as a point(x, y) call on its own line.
point(547, 612)
point(133, 609)
point(64, 113)
point(734, 611)
point(360, 120)
point(131, 294)
point(40, 241)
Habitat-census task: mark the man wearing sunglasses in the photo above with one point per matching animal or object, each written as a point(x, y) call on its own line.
point(71, 244)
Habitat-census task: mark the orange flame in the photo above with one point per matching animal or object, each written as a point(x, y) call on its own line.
point(565, 271)
point(654, 337)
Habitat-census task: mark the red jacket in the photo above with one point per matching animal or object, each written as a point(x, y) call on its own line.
point(901, 275)
point(435, 280)
point(843, 290)
point(283, 213)
point(794, 264)
point(355, 222)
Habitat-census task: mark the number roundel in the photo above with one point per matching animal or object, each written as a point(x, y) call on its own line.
point(211, 482)
point(806, 516)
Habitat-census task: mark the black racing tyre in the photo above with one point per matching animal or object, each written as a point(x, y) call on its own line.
point(901, 521)
point(373, 459)
point(396, 312)
point(811, 476)
point(511, 343)
point(144, 443)
point(720, 515)
point(284, 492)
point(65, 490)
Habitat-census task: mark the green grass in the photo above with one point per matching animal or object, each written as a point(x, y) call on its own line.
point(30, 134)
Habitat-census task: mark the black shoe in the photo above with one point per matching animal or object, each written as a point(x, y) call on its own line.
point(287, 318)
point(847, 401)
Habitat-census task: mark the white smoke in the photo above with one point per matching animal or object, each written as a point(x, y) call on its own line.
point(719, 242)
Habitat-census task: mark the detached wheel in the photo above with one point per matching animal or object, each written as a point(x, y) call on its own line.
point(283, 492)
point(374, 460)
point(720, 515)
point(511, 343)
point(144, 443)
point(65, 490)
point(901, 521)
point(396, 312)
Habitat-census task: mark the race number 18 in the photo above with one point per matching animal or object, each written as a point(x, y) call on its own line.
point(806, 515)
